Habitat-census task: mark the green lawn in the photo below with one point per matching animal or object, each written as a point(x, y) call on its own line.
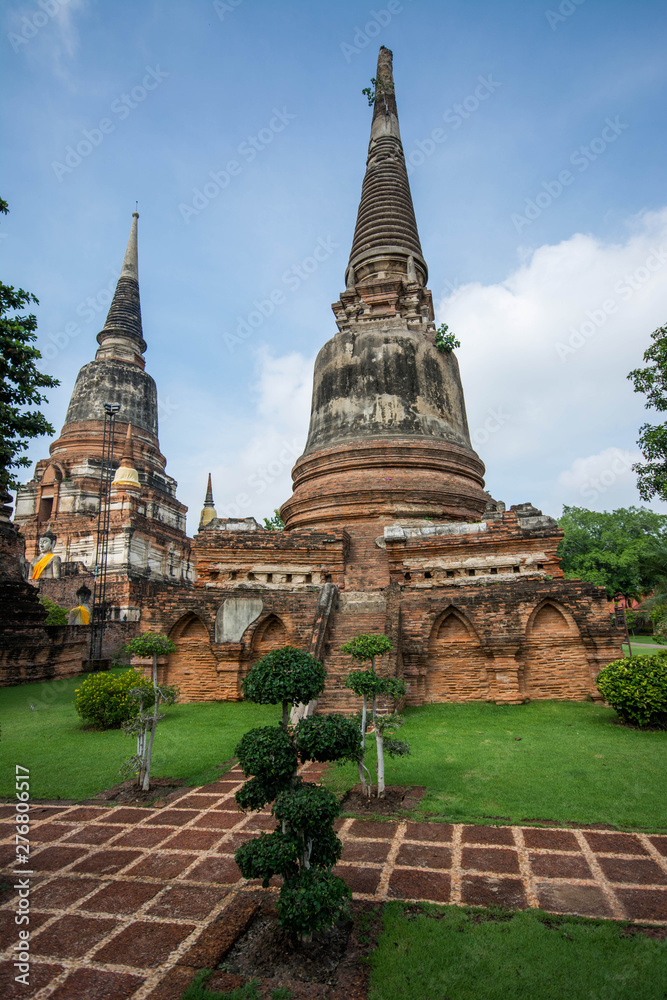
point(433, 953)
point(69, 762)
point(548, 760)
point(572, 763)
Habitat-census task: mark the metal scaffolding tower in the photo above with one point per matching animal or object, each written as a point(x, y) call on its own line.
point(99, 611)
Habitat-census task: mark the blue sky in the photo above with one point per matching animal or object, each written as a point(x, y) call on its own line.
point(553, 286)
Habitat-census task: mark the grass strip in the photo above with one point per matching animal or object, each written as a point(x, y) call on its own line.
point(456, 953)
point(69, 762)
point(548, 761)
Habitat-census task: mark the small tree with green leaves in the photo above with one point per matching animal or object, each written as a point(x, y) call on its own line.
point(445, 340)
point(304, 847)
point(144, 724)
point(368, 685)
point(20, 381)
point(55, 614)
point(274, 523)
point(652, 381)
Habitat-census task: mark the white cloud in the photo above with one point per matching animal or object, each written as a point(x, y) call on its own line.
point(250, 458)
point(601, 482)
point(550, 347)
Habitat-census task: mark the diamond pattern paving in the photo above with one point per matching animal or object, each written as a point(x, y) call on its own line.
point(121, 894)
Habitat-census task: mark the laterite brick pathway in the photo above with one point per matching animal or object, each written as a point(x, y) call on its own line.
point(121, 894)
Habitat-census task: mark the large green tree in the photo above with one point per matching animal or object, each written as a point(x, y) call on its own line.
point(20, 381)
point(652, 381)
point(623, 550)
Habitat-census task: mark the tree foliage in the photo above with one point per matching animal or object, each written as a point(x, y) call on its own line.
point(20, 381)
point(367, 646)
point(368, 685)
point(274, 523)
point(445, 340)
point(150, 644)
point(620, 550)
point(55, 614)
point(144, 725)
point(303, 847)
point(328, 737)
point(637, 688)
point(652, 381)
point(286, 674)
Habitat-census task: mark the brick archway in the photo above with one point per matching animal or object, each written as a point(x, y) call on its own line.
point(457, 663)
point(270, 634)
point(193, 667)
point(555, 660)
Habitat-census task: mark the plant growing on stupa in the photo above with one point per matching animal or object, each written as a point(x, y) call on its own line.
point(445, 341)
point(143, 725)
point(304, 847)
point(368, 685)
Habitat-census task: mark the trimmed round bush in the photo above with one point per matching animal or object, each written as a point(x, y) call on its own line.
point(311, 901)
point(328, 737)
point(637, 688)
point(103, 700)
point(287, 674)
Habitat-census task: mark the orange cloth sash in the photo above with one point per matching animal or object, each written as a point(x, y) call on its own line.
point(41, 565)
point(83, 614)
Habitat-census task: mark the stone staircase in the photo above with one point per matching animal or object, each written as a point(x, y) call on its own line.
point(354, 612)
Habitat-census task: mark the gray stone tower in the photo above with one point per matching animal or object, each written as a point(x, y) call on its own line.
point(388, 432)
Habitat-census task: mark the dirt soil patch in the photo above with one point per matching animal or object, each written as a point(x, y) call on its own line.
point(251, 945)
point(162, 791)
point(265, 950)
point(335, 960)
point(397, 799)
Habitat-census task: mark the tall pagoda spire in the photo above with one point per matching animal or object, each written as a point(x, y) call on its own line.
point(385, 236)
point(117, 375)
point(122, 334)
point(386, 275)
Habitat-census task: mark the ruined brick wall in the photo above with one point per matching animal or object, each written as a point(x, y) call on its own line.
point(532, 639)
point(29, 650)
point(207, 670)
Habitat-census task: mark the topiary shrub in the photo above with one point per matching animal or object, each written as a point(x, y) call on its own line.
point(637, 688)
point(314, 898)
point(103, 700)
point(304, 847)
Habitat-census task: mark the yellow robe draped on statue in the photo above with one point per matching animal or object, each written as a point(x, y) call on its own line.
point(41, 565)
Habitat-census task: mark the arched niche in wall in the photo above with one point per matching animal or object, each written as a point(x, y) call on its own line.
point(270, 634)
point(555, 660)
point(193, 667)
point(456, 663)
